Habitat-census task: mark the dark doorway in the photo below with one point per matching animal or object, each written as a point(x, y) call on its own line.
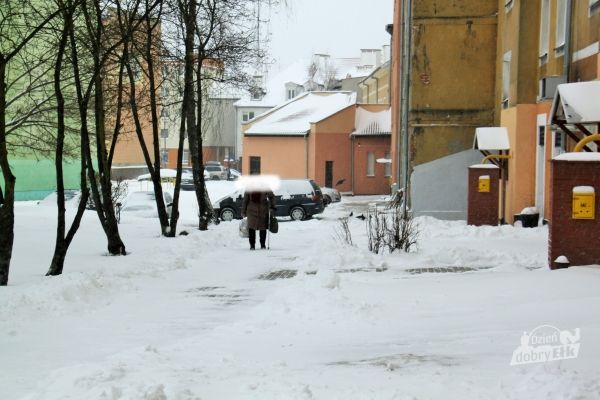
point(329, 174)
point(254, 165)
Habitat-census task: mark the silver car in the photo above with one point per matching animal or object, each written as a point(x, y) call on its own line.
point(330, 195)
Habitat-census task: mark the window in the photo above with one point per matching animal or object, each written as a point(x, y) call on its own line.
point(544, 31)
point(164, 133)
point(254, 165)
point(561, 26)
point(388, 166)
point(370, 164)
point(541, 135)
point(329, 174)
point(506, 78)
point(164, 156)
point(185, 157)
point(558, 139)
point(247, 116)
point(291, 94)
point(594, 7)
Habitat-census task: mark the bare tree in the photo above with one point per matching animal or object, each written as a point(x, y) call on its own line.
point(143, 49)
point(20, 22)
point(63, 239)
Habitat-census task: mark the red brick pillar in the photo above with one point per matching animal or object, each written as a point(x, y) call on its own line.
point(577, 239)
point(482, 207)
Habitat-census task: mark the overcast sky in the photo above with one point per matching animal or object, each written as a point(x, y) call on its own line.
point(336, 27)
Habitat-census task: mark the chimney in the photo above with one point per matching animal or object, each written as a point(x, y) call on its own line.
point(386, 53)
point(370, 57)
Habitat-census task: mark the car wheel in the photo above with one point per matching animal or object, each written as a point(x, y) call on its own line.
point(227, 214)
point(297, 213)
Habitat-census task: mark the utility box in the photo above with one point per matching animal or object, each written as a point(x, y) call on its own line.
point(573, 226)
point(583, 202)
point(484, 184)
point(483, 197)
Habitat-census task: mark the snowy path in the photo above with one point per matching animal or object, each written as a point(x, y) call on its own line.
point(189, 318)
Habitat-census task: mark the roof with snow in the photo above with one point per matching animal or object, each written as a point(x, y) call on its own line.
point(298, 73)
point(369, 123)
point(491, 138)
point(295, 117)
point(582, 156)
point(576, 103)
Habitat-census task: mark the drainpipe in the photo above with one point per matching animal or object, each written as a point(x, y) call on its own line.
point(306, 153)
point(567, 48)
point(405, 68)
point(496, 156)
point(352, 163)
point(581, 144)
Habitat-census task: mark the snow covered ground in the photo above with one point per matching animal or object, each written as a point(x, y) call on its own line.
point(194, 317)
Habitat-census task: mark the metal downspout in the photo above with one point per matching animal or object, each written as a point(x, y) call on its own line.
point(405, 69)
point(352, 144)
point(306, 155)
point(567, 48)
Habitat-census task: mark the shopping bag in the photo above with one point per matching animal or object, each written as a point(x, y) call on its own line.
point(244, 228)
point(273, 224)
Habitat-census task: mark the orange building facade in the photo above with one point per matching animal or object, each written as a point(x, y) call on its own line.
point(330, 151)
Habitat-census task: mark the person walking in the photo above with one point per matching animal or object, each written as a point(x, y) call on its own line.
point(256, 206)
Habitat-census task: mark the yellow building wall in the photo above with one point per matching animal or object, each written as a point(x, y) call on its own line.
point(453, 76)
point(521, 123)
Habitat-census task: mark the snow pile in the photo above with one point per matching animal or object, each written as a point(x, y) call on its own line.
point(194, 317)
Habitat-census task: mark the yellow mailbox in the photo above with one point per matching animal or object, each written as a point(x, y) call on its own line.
point(484, 184)
point(583, 202)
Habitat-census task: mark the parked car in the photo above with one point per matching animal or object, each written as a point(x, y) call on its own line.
point(234, 174)
point(298, 199)
point(143, 204)
point(330, 195)
point(187, 179)
point(216, 171)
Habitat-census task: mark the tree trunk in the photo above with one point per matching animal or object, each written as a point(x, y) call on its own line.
point(175, 208)
point(62, 243)
point(7, 216)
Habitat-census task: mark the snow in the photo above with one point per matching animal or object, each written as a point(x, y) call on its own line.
point(190, 318)
point(529, 211)
point(493, 138)
point(562, 259)
point(577, 102)
point(489, 166)
point(484, 177)
point(580, 156)
point(295, 117)
point(373, 123)
point(583, 189)
point(164, 173)
point(297, 73)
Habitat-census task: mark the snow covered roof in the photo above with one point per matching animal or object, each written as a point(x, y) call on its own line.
point(297, 73)
point(369, 123)
point(494, 138)
point(295, 116)
point(577, 103)
point(582, 156)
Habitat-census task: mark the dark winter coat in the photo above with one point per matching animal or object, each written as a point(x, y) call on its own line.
point(256, 207)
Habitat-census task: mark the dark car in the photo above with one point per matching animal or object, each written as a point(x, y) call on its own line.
point(296, 198)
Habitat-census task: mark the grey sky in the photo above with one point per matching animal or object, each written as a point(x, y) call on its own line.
point(337, 27)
